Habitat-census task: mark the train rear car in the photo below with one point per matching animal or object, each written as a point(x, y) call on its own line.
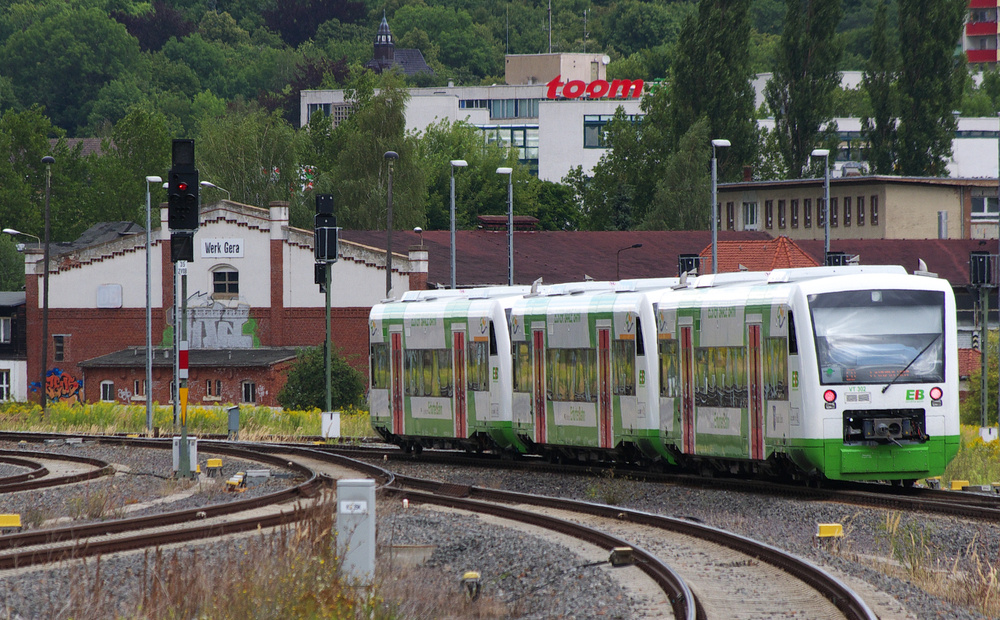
point(440, 370)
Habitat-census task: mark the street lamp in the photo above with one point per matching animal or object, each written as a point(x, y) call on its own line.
point(12, 232)
point(390, 157)
point(715, 204)
point(149, 308)
point(455, 163)
point(618, 256)
point(210, 184)
point(825, 154)
point(48, 160)
point(510, 222)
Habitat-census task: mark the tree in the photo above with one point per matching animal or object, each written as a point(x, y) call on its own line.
point(970, 411)
point(712, 79)
point(879, 128)
point(351, 163)
point(11, 265)
point(799, 94)
point(306, 385)
point(93, 49)
point(249, 152)
point(931, 79)
point(683, 194)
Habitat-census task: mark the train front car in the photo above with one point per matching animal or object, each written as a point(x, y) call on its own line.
point(585, 380)
point(439, 368)
point(875, 383)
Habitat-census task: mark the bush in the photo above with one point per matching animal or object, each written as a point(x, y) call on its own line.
point(306, 386)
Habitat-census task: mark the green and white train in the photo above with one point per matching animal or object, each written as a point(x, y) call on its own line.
point(845, 373)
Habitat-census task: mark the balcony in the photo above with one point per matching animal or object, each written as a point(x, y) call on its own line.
point(978, 56)
point(976, 29)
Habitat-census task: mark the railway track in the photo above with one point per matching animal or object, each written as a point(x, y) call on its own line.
point(40, 476)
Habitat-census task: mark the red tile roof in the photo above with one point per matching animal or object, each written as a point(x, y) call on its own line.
point(759, 255)
point(555, 256)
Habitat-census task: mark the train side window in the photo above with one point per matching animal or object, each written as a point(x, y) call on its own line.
point(640, 346)
point(493, 340)
point(623, 360)
point(793, 343)
point(379, 366)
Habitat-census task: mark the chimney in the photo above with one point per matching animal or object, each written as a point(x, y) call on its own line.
point(279, 219)
point(747, 174)
point(419, 261)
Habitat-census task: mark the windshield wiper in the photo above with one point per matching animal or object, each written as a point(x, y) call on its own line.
point(915, 358)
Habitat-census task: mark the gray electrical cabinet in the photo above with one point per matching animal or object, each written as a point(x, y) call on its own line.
point(356, 529)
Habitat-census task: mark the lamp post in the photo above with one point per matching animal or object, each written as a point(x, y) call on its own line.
point(719, 142)
point(825, 154)
point(618, 256)
point(510, 222)
point(12, 232)
point(455, 163)
point(149, 308)
point(48, 160)
point(210, 184)
point(390, 157)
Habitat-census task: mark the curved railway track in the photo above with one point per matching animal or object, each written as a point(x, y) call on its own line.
point(39, 477)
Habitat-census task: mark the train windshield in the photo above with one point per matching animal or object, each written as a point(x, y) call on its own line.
point(874, 336)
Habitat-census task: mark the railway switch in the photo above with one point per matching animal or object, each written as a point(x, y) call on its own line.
point(621, 556)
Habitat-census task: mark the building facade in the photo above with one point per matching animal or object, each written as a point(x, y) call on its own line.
point(251, 302)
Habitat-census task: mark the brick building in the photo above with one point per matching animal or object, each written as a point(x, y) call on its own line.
point(251, 299)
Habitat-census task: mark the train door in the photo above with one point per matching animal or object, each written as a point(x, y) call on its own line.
point(461, 415)
point(756, 390)
point(397, 382)
point(687, 390)
point(604, 426)
point(538, 357)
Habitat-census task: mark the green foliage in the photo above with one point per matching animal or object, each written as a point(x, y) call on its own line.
point(799, 95)
point(11, 265)
point(930, 85)
point(684, 192)
point(971, 409)
point(878, 126)
point(306, 386)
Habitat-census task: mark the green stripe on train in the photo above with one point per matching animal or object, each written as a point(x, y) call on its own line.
point(840, 462)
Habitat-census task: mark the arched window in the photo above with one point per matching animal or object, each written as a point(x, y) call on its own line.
point(225, 282)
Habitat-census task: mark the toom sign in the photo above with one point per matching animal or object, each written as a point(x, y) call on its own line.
point(616, 89)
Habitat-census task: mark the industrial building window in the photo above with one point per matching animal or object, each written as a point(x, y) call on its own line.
point(750, 216)
point(781, 214)
point(107, 391)
point(595, 128)
point(58, 348)
point(807, 212)
point(874, 210)
point(795, 214)
point(249, 392)
point(769, 214)
point(730, 215)
point(4, 385)
point(834, 211)
point(513, 108)
point(213, 388)
point(5, 327)
point(225, 283)
point(139, 388)
point(861, 210)
point(847, 210)
point(983, 205)
point(820, 212)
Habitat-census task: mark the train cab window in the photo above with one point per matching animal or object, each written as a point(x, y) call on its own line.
point(623, 367)
point(640, 346)
point(793, 343)
point(493, 340)
point(379, 365)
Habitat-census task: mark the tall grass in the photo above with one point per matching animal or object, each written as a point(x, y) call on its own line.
point(977, 461)
point(110, 418)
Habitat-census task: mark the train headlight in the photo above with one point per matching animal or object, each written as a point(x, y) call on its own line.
point(936, 393)
point(831, 399)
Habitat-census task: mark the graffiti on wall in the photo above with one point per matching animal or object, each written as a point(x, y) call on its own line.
point(60, 386)
point(214, 325)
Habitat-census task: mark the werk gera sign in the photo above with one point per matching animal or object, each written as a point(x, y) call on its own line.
point(574, 89)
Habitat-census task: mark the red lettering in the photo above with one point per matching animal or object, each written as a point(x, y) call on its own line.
point(573, 89)
point(553, 85)
point(623, 88)
point(597, 89)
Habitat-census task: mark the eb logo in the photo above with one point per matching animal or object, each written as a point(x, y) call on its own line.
point(914, 394)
